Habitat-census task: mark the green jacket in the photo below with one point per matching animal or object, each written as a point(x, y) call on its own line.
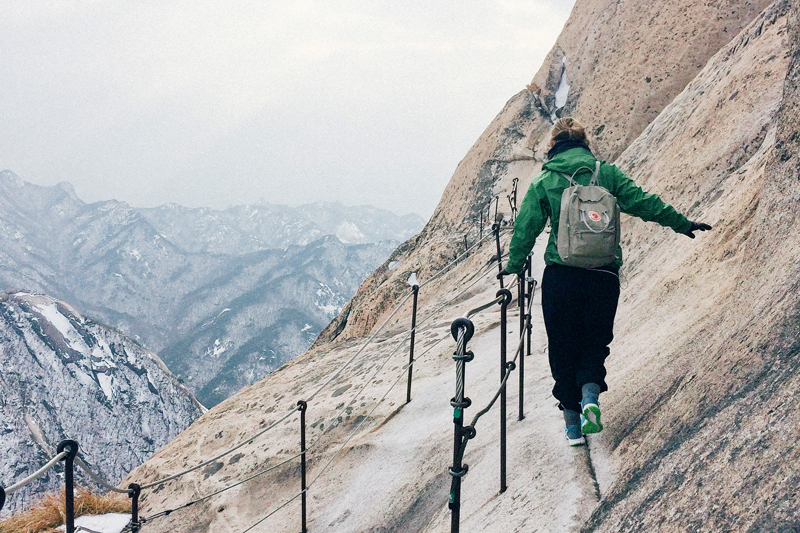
point(543, 201)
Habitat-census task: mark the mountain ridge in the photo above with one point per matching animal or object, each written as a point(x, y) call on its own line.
point(65, 376)
point(158, 275)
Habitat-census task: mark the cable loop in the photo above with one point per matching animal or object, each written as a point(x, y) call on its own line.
point(459, 473)
point(469, 432)
point(506, 294)
point(462, 323)
point(460, 405)
point(466, 357)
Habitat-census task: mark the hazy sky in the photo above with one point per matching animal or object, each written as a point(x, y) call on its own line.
point(218, 103)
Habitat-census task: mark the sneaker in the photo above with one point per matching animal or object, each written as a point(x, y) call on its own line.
point(574, 435)
point(590, 419)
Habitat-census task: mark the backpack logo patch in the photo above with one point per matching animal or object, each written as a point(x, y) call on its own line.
point(594, 216)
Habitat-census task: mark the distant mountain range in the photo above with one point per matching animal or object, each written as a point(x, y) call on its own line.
point(249, 228)
point(223, 296)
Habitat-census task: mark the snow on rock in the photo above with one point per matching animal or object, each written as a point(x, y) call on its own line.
point(563, 87)
point(328, 301)
point(105, 523)
point(65, 376)
point(348, 232)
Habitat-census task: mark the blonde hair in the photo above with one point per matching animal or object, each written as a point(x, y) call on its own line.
point(567, 129)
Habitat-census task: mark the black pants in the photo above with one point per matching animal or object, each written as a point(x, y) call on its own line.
point(579, 306)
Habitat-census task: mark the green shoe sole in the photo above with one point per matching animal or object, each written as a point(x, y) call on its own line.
point(590, 419)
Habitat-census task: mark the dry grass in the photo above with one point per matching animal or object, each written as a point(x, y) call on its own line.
point(48, 513)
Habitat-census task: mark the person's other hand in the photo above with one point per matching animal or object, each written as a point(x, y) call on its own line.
point(503, 273)
point(696, 226)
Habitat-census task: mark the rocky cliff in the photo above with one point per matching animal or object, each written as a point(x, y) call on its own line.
point(698, 102)
point(66, 377)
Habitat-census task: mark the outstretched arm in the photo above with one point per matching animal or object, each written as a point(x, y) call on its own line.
point(647, 206)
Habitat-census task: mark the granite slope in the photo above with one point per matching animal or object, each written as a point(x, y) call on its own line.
point(704, 368)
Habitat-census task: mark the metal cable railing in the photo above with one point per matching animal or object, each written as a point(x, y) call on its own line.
point(221, 455)
point(462, 330)
point(355, 430)
point(100, 481)
point(134, 489)
point(401, 374)
point(39, 473)
point(326, 383)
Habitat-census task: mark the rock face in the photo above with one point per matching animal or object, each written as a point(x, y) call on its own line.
point(224, 296)
point(66, 377)
point(722, 370)
point(700, 418)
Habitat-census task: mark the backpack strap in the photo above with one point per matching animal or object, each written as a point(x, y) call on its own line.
point(595, 173)
point(571, 179)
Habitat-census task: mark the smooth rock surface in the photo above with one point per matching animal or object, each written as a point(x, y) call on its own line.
point(700, 419)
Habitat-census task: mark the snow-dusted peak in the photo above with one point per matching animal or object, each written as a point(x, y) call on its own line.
point(9, 178)
point(65, 376)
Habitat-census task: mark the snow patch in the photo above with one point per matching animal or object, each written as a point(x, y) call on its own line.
point(563, 87)
point(217, 349)
point(61, 323)
point(393, 264)
point(348, 233)
point(106, 523)
point(106, 382)
point(327, 301)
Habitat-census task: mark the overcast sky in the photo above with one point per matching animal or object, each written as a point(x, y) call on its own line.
point(218, 103)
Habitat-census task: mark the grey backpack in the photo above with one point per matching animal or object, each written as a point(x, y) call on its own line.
point(588, 228)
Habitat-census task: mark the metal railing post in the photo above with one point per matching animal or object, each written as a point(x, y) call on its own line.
point(69, 482)
point(462, 330)
point(136, 489)
point(415, 288)
point(531, 290)
point(496, 229)
point(304, 510)
point(514, 209)
point(2, 497)
point(503, 367)
point(521, 301)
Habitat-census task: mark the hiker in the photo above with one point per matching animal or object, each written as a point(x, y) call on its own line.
point(579, 303)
